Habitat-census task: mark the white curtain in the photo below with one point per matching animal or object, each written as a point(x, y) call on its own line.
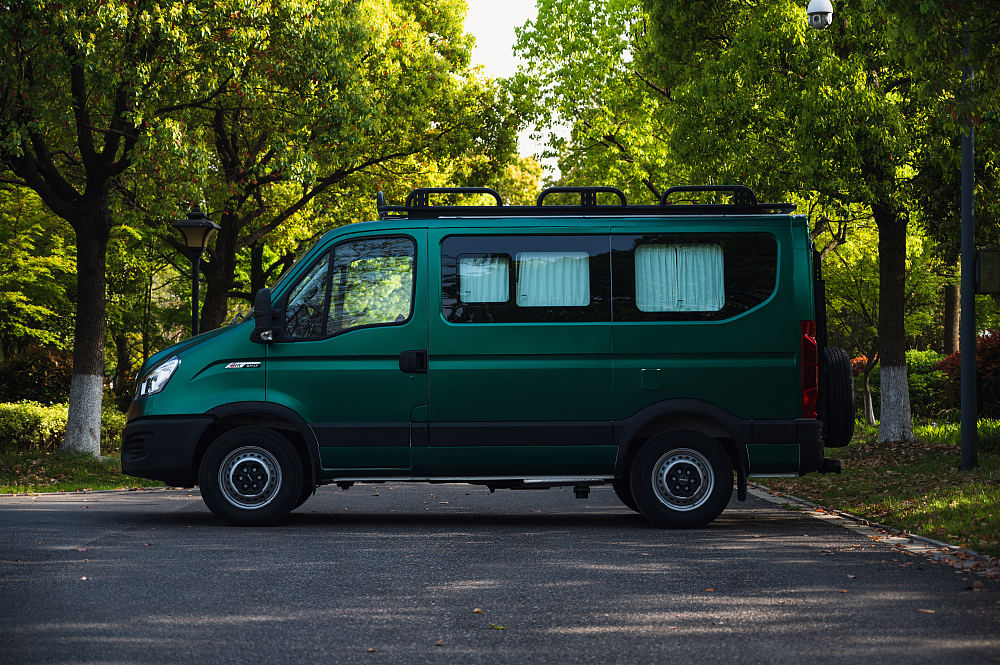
point(483, 279)
point(553, 279)
point(679, 278)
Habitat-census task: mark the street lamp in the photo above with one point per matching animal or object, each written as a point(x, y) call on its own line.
point(197, 230)
point(820, 13)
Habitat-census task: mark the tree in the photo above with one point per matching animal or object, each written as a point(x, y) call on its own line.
point(584, 71)
point(851, 272)
point(335, 95)
point(82, 86)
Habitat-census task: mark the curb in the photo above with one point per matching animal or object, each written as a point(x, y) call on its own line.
point(79, 492)
point(964, 560)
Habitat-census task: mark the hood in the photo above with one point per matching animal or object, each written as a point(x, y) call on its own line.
point(179, 348)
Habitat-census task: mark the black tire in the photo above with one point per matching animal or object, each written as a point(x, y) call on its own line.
point(251, 476)
point(836, 398)
point(624, 493)
point(307, 491)
point(681, 479)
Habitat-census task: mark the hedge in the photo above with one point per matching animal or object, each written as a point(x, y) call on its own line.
point(33, 426)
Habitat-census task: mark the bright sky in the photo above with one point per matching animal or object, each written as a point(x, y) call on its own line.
point(492, 23)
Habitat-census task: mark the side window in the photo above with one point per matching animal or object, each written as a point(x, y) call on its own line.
point(365, 282)
point(524, 279)
point(306, 309)
point(372, 283)
point(692, 277)
point(679, 278)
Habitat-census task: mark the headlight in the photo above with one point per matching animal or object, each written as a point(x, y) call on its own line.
point(156, 379)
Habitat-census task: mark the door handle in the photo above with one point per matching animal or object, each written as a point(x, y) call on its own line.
point(413, 362)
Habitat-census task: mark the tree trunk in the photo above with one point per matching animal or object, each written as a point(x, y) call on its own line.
point(123, 363)
point(952, 310)
point(895, 422)
point(219, 272)
point(869, 405)
point(83, 426)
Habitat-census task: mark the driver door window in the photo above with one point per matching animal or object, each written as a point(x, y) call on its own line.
point(368, 282)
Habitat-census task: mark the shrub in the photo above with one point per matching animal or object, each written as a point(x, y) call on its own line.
point(30, 425)
point(34, 426)
point(987, 374)
point(37, 375)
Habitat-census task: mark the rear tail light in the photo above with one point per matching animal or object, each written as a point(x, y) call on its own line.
point(810, 369)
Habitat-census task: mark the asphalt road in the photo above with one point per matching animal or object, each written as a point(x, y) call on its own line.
point(152, 577)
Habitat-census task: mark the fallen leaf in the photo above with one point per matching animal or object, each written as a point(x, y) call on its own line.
point(710, 590)
point(926, 611)
point(851, 577)
point(477, 611)
point(83, 578)
point(371, 650)
point(496, 626)
point(439, 643)
point(843, 591)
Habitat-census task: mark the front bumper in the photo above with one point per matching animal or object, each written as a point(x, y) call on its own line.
point(163, 448)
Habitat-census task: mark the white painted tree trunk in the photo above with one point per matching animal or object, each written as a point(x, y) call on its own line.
point(869, 405)
point(895, 422)
point(83, 425)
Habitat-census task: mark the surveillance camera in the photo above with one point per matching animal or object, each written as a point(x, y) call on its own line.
point(820, 14)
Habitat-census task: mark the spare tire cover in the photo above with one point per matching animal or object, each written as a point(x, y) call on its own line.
point(836, 398)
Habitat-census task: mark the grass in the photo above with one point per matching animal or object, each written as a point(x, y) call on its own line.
point(915, 486)
point(44, 470)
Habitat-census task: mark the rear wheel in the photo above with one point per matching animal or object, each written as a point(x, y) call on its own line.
point(624, 493)
point(251, 476)
point(681, 479)
point(836, 398)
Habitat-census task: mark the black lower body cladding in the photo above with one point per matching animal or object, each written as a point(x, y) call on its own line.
point(163, 448)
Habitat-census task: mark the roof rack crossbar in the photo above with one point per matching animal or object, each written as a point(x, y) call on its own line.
point(588, 195)
point(421, 198)
point(743, 196)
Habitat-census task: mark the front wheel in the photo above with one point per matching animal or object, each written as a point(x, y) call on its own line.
point(681, 479)
point(251, 476)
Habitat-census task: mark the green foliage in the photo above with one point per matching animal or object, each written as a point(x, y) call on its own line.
point(29, 425)
point(37, 267)
point(37, 374)
point(987, 375)
point(925, 382)
point(585, 71)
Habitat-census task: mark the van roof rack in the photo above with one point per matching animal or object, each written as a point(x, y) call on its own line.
point(418, 204)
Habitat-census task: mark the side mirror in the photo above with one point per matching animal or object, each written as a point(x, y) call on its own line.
point(263, 318)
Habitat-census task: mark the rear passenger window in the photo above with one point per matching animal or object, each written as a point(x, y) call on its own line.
point(553, 279)
point(685, 277)
point(515, 279)
point(679, 278)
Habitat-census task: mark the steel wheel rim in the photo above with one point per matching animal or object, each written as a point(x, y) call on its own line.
point(683, 479)
point(250, 477)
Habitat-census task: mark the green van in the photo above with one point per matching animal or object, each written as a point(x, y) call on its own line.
point(660, 349)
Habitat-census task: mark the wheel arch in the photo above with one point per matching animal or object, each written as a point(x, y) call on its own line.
point(263, 414)
point(732, 432)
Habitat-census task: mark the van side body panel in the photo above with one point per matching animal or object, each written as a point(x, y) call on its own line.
point(531, 398)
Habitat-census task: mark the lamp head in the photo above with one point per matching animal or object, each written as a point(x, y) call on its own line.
point(197, 229)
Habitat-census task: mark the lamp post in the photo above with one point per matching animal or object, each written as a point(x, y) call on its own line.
point(820, 13)
point(197, 230)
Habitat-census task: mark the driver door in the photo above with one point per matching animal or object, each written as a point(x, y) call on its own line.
point(349, 320)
